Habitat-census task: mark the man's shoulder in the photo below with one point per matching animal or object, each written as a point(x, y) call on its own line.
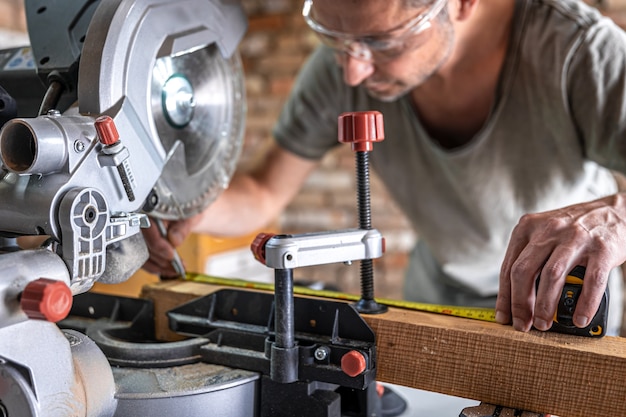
point(572, 12)
point(559, 27)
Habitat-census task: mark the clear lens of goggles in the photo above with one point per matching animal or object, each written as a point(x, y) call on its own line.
point(381, 46)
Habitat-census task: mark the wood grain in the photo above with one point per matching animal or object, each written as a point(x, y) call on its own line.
point(568, 376)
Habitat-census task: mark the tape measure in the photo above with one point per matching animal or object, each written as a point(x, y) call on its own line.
point(476, 313)
point(563, 316)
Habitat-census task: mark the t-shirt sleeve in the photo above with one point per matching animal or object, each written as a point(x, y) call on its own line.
point(307, 125)
point(596, 86)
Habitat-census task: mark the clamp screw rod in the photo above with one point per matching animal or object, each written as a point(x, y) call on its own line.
point(363, 190)
point(365, 222)
point(361, 130)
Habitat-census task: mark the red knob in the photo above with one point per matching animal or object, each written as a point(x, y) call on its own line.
point(353, 363)
point(361, 129)
point(46, 299)
point(107, 132)
point(258, 246)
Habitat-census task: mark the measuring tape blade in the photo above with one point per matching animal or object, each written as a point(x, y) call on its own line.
point(476, 313)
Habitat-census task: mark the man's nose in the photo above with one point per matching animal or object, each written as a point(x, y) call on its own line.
point(355, 71)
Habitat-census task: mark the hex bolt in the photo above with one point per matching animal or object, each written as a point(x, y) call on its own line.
point(361, 130)
point(321, 353)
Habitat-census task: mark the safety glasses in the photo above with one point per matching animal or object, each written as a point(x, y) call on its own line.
point(378, 46)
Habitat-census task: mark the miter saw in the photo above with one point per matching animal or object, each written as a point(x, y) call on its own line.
point(119, 109)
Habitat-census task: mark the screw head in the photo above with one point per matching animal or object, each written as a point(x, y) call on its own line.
point(321, 353)
point(79, 146)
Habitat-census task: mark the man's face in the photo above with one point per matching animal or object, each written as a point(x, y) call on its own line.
point(400, 58)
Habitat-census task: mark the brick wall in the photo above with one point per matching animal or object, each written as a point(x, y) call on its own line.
point(274, 48)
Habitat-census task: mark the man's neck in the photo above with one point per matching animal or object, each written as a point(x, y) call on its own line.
point(463, 89)
point(484, 33)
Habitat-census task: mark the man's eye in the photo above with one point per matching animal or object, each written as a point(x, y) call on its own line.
point(393, 51)
point(377, 44)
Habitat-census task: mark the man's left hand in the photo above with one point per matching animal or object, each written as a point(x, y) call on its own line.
point(549, 245)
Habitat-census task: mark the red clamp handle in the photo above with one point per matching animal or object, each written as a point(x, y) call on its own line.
point(107, 132)
point(361, 129)
point(258, 246)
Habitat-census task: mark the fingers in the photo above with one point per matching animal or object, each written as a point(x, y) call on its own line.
point(526, 303)
point(523, 276)
point(160, 268)
point(594, 286)
point(550, 285)
point(549, 245)
point(521, 265)
point(503, 302)
point(161, 252)
point(178, 231)
point(535, 285)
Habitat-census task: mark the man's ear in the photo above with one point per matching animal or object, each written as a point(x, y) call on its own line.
point(463, 9)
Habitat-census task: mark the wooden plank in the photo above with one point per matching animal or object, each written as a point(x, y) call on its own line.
point(564, 375)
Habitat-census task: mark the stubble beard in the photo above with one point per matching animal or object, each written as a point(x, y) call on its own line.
point(398, 88)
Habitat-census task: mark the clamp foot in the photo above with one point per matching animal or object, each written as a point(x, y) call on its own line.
point(490, 410)
point(364, 306)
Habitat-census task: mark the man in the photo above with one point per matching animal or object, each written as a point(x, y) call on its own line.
point(502, 119)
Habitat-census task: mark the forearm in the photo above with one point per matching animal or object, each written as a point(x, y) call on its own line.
point(241, 209)
point(254, 200)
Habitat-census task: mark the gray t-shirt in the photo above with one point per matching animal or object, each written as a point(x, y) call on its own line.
point(558, 120)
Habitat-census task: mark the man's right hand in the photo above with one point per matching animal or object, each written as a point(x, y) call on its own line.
point(162, 248)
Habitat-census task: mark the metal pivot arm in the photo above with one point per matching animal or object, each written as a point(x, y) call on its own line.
point(308, 249)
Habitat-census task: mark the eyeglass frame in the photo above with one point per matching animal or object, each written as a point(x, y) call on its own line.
point(414, 26)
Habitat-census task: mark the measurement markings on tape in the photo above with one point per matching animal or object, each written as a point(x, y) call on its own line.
point(476, 313)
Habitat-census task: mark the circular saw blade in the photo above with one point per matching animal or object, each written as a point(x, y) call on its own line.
point(169, 75)
point(198, 106)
